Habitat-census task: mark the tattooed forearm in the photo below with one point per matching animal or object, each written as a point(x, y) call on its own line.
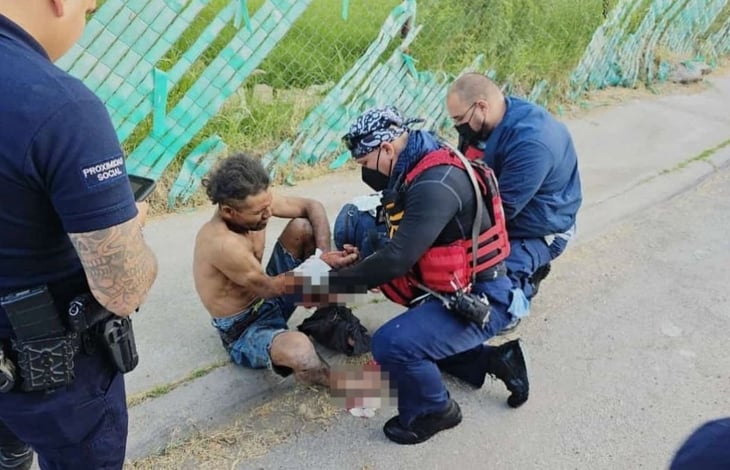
point(119, 266)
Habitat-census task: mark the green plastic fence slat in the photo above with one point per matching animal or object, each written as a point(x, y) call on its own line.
point(101, 44)
point(97, 76)
point(358, 72)
point(140, 24)
point(165, 17)
point(156, 13)
point(132, 65)
point(201, 44)
point(315, 144)
point(143, 104)
point(139, 108)
point(242, 13)
point(284, 148)
point(103, 16)
point(163, 156)
point(195, 166)
point(117, 27)
point(73, 54)
point(339, 161)
point(410, 63)
point(175, 4)
point(159, 102)
point(345, 9)
point(98, 21)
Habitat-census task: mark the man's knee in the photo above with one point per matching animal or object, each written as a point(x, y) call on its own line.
point(299, 228)
point(298, 238)
point(294, 350)
point(360, 228)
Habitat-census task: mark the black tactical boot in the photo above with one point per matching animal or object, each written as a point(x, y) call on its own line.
point(423, 427)
point(16, 458)
point(538, 276)
point(469, 366)
point(507, 363)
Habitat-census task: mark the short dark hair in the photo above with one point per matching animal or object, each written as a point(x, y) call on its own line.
point(235, 178)
point(473, 86)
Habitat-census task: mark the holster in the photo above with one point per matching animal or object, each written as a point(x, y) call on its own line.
point(47, 341)
point(44, 348)
point(102, 328)
point(118, 338)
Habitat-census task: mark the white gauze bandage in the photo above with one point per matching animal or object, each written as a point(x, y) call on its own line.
point(314, 268)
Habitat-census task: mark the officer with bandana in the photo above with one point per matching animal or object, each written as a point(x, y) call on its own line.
point(437, 211)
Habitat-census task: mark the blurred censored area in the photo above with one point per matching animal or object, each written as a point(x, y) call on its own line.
point(362, 386)
point(315, 290)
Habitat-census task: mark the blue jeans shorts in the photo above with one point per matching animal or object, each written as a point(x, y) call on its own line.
point(253, 346)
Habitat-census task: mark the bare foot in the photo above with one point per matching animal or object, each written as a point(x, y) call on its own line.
point(317, 376)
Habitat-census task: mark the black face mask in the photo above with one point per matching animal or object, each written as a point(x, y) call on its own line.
point(374, 179)
point(469, 135)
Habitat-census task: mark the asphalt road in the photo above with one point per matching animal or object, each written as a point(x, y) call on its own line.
point(627, 350)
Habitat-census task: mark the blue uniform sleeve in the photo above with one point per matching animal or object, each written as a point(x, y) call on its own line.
point(523, 172)
point(75, 158)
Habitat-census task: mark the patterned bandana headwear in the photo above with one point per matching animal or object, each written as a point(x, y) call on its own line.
point(373, 127)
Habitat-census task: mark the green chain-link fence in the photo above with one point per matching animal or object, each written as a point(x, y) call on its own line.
point(188, 80)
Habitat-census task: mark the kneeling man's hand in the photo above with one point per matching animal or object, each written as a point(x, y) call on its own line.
point(341, 259)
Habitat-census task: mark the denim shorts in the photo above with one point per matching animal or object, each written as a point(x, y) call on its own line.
point(252, 348)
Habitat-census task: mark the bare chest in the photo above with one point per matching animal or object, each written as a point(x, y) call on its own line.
point(258, 241)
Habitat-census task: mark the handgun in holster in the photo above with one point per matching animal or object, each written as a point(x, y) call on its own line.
point(119, 339)
point(103, 329)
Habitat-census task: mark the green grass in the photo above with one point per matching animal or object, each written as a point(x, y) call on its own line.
point(524, 41)
point(321, 47)
point(720, 21)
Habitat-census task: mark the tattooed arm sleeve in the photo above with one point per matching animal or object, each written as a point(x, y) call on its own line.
point(75, 160)
point(119, 266)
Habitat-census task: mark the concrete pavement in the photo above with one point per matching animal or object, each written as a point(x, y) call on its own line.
point(631, 155)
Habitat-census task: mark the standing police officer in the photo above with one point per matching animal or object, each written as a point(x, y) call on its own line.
point(70, 230)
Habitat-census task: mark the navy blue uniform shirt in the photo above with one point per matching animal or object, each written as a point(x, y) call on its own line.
point(61, 167)
point(533, 157)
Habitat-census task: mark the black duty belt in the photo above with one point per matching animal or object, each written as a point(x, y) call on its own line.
point(46, 339)
point(492, 273)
